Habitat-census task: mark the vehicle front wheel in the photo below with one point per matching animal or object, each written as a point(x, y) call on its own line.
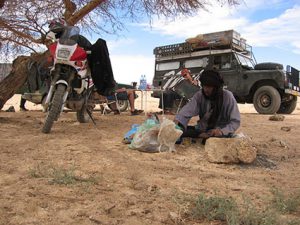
point(266, 100)
point(288, 107)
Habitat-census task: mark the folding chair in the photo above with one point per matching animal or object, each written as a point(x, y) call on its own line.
point(186, 91)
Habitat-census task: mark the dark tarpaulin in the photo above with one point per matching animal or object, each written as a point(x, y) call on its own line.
point(101, 69)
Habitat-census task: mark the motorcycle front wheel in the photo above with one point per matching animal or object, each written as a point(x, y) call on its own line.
point(55, 108)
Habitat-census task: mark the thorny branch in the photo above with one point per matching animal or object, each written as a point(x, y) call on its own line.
point(23, 23)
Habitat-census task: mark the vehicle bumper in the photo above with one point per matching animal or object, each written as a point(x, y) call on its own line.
point(292, 92)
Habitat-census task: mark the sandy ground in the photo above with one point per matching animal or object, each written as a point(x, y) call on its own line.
point(117, 185)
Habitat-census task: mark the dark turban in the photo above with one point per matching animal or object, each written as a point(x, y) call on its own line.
point(214, 79)
point(211, 78)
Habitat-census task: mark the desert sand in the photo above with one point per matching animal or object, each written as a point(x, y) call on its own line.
point(118, 185)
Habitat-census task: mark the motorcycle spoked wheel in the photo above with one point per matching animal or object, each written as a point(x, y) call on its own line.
point(82, 114)
point(55, 108)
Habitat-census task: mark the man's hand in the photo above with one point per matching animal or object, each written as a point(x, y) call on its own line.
point(215, 132)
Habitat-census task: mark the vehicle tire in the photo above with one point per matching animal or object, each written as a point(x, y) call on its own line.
point(122, 104)
point(266, 100)
point(268, 66)
point(82, 114)
point(288, 107)
point(55, 108)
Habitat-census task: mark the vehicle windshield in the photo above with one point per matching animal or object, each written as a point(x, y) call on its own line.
point(70, 31)
point(245, 61)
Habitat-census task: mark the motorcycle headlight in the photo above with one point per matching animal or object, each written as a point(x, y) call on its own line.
point(63, 53)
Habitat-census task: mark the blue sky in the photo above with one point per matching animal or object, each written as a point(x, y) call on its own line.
point(271, 27)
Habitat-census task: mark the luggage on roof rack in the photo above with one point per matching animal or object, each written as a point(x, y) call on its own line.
point(229, 39)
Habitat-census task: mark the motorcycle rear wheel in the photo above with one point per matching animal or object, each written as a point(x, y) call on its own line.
point(55, 108)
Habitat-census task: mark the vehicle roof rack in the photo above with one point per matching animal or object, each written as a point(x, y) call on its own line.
point(214, 41)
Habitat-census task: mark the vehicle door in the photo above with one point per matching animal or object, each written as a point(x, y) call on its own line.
point(245, 68)
point(228, 66)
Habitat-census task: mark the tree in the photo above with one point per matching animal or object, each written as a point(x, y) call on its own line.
point(24, 23)
point(2, 3)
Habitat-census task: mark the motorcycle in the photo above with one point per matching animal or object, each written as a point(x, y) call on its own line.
point(71, 82)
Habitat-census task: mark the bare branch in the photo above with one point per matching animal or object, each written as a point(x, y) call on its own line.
point(16, 31)
point(84, 11)
point(2, 3)
point(70, 8)
point(25, 22)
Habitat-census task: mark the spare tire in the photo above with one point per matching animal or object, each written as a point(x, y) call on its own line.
point(268, 66)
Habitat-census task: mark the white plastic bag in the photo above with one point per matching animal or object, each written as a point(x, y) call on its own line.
point(168, 135)
point(154, 137)
point(145, 139)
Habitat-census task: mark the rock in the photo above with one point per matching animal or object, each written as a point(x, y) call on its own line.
point(276, 117)
point(287, 129)
point(230, 150)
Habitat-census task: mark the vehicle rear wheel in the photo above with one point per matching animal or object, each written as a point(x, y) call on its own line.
point(288, 107)
point(55, 108)
point(266, 100)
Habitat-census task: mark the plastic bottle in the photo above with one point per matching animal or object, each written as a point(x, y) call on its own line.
point(145, 82)
point(141, 82)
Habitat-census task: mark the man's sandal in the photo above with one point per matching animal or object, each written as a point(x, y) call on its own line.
point(136, 112)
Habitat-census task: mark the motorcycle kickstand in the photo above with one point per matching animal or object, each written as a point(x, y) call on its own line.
point(90, 115)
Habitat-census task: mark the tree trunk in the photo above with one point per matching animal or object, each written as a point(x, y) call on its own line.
point(17, 77)
point(2, 3)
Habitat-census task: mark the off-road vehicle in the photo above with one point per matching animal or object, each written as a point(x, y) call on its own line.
point(270, 87)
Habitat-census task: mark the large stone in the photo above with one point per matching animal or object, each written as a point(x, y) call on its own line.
point(230, 150)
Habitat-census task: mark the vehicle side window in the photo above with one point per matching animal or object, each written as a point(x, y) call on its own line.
point(167, 66)
point(226, 62)
point(245, 61)
point(217, 62)
point(192, 63)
